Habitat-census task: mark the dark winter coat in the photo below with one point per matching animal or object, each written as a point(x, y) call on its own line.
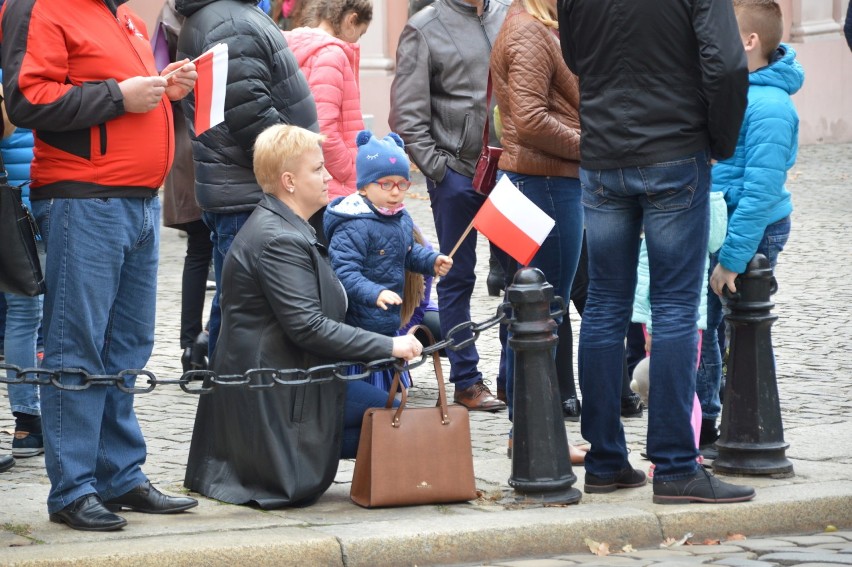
point(282, 307)
point(370, 253)
point(265, 87)
point(658, 80)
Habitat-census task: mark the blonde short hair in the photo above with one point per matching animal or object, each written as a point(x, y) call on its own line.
point(764, 18)
point(541, 11)
point(277, 149)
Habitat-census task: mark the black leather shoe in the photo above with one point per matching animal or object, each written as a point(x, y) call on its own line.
point(631, 405)
point(571, 409)
point(6, 462)
point(701, 487)
point(496, 278)
point(186, 359)
point(627, 478)
point(88, 514)
point(147, 499)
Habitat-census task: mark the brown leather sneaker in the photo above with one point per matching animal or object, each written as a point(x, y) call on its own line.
point(478, 398)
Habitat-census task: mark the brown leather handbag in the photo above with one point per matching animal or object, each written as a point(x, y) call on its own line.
point(409, 456)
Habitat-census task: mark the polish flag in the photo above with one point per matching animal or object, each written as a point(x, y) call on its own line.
point(212, 67)
point(513, 222)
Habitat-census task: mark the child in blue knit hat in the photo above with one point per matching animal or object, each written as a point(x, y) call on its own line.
point(372, 247)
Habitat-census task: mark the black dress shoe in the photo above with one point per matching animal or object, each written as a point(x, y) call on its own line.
point(631, 405)
point(88, 514)
point(571, 409)
point(701, 487)
point(147, 499)
point(6, 462)
point(496, 278)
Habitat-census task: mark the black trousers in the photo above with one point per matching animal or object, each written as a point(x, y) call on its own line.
point(196, 264)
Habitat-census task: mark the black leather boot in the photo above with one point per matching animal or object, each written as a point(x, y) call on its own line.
point(198, 359)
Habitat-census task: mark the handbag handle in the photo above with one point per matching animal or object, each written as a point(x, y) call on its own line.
point(439, 375)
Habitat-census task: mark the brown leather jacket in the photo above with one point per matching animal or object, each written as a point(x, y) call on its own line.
point(539, 98)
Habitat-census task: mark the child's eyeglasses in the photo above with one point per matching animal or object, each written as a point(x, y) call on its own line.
point(389, 185)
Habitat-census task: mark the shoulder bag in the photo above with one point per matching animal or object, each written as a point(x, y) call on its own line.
point(409, 456)
point(485, 174)
point(20, 265)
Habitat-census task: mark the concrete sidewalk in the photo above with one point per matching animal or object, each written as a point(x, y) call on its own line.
point(813, 367)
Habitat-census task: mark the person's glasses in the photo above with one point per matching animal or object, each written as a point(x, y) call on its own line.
point(402, 185)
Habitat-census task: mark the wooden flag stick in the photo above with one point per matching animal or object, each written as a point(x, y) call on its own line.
point(173, 71)
point(463, 236)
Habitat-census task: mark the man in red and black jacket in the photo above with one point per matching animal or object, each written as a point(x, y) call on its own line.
point(83, 78)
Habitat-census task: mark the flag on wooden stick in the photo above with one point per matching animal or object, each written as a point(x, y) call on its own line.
point(512, 222)
point(212, 68)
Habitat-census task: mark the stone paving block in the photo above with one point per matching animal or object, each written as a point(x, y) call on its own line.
point(741, 562)
point(614, 560)
point(534, 563)
point(765, 544)
point(786, 558)
point(816, 539)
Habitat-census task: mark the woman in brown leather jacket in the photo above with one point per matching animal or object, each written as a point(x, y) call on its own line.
point(283, 307)
point(539, 101)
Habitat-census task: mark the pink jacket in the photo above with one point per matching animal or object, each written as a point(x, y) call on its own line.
point(331, 67)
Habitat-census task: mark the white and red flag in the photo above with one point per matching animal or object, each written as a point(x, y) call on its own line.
point(513, 222)
point(212, 68)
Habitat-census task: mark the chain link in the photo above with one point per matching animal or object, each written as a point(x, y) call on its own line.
point(200, 382)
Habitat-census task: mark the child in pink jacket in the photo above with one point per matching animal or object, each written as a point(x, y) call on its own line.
point(329, 57)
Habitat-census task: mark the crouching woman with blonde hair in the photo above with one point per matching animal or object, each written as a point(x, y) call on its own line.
point(283, 307)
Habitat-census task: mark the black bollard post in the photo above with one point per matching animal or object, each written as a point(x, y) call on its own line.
point(752, 436)
point(541, 466)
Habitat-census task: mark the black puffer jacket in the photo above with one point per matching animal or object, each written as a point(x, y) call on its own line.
point(265, 87)
point(658, 80)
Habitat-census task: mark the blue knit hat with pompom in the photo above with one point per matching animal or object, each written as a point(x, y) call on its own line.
point(379, 158)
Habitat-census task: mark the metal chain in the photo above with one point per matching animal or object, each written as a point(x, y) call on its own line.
point(205, 381)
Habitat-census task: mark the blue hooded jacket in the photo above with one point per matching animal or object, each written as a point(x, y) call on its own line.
point(752, 180)
point(17, 152)
point(370, 252)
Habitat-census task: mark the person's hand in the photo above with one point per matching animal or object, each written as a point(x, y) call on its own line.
point(387, 297)
point(407, 347)
point(722, 277)
point(443, 265)
point(142, 94)
point(182, 81)
point(648, 343)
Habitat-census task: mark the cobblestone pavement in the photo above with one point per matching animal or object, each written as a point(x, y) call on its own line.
point(813, 369)
point(806, 550)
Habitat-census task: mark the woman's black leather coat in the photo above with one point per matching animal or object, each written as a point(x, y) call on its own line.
point(282, 307)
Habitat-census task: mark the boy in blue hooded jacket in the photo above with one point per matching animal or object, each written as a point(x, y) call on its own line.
point(752, 181)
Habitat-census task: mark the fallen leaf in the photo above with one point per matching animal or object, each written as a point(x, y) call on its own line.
point(601, 549)
point(830, 528)
point(735, 537)
point(712, 542)
point(672, 542)
point(627, 549)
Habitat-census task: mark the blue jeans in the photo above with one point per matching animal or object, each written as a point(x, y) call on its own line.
point(671, 201)
point(559, 254)
point(223, 228)
point(23, 319)
point(454, 204)
point(709, 377)
point(360, 396)
point(101, 276)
